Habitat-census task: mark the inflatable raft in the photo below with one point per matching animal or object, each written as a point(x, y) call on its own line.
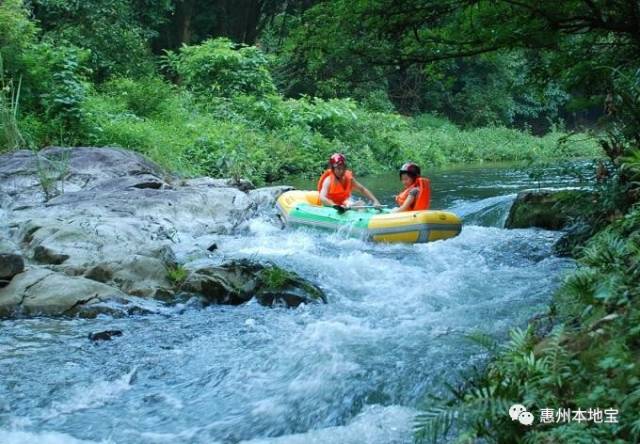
point(301, 208)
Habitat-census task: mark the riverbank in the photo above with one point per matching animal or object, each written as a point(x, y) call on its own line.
point(90, 231)
point(580, 356)
point(221, 115)
point(268, 139)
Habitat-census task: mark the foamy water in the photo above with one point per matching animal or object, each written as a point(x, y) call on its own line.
point(353, 371)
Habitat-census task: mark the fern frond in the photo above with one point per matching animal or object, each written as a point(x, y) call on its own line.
point(434, 424)
point(483, 340)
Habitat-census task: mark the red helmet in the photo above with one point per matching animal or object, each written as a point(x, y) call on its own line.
point(411, 169)
point(337, 159)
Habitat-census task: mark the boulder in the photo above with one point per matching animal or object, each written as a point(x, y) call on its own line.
point(119, 221)
point(110, 225)
point(104, 335)
point(28, 177)
point(266, 197)
point(89, 230)
point(10, 265)
point(237, 282)
point(11, 261)
point(40, 291)
point(548, 209)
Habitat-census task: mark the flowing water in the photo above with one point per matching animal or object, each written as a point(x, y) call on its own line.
point(353, 371)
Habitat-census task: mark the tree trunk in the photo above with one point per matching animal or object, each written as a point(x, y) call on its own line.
point(184, 13)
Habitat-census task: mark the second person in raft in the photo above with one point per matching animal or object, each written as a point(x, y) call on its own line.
point(337, 183)
point(417, 190)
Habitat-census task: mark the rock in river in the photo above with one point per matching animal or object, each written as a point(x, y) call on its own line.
point(237, 282)
point(548, 209)
point(83, 227)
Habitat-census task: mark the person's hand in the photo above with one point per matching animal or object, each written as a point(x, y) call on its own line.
point(340, 208)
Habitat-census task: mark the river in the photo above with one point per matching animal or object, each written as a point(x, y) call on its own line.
point(353, 371)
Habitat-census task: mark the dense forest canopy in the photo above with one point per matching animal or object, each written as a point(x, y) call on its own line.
point(475, 62)
point(457, 58)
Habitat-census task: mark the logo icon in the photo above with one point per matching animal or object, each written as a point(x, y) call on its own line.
point(519, 413)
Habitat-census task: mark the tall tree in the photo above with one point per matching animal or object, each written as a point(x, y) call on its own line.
point(240, 20)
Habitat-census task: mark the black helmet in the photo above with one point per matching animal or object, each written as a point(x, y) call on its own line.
point(411, 169)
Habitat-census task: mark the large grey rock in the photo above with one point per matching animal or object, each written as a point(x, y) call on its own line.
point(266, 197)
point(40, 291)
point(27, 177)
point(11, 261)
point(239, 281)
point(110, 217)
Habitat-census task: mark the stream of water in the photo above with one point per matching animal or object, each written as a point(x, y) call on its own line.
point(353, 371)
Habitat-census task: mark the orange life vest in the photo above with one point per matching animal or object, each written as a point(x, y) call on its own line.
point(422, 200)
point(339, 190)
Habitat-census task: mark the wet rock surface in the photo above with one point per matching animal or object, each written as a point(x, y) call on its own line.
point(237, 282)
point(85, 231)
point(548, 209)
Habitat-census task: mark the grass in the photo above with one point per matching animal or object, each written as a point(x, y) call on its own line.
point(177, 275)
point(275, 278)
point(270, 138)
point(10, 135)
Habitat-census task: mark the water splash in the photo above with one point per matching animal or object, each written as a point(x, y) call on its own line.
point(357, 367)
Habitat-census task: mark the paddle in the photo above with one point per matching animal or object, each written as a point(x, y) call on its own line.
point(341, 210)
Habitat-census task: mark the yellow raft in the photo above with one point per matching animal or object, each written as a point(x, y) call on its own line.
point(301, 208)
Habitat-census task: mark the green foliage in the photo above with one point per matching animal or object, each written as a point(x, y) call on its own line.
point(143, 97)
point(10, 135)
point(55, 87)
point(494, 89)
point(51, 172)
point(226, 117)
point(116, 32)
point(177, 275)
point(265, 139)
point(588, 361)
point(220, 68)
point(16, 32)
point(275, 278)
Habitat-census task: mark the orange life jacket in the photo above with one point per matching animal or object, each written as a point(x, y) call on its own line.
point(339, 190)
point(422, 200)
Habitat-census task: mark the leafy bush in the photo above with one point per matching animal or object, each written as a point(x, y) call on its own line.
point(143, 97)
point(17, 32)
point(219, 67)
point(226, 118)
point(266, 139)
point(588, 361)
point(111, 30)
point(55, 80)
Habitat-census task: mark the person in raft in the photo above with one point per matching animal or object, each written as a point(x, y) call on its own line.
point(337, 183)
point(417, 190)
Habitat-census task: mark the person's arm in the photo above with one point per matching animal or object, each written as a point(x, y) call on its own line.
point(408, 202)
point(323, 193)
point(406, 205)
point(362, 189)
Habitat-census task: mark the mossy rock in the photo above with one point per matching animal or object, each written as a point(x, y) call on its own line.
point(277, 286)
point(549, 209)
point(237, 282)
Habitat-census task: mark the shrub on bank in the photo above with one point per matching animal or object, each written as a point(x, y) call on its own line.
point(225, 118)
point(588, 361)
point(269, 138)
